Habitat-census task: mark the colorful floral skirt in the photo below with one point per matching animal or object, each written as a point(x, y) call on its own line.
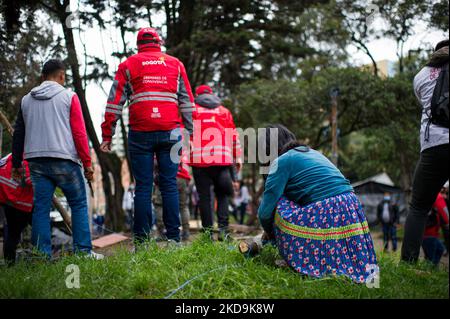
point(330, 237)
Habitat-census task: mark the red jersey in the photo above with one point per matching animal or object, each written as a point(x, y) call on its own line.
point(158, 91)
point(13, 193)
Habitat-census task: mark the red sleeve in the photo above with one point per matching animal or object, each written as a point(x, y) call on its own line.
point(116, 100)
point(185, 99)
point(79, 132)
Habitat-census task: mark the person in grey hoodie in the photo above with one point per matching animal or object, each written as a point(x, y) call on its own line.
point(215, 157)
point(50, 134)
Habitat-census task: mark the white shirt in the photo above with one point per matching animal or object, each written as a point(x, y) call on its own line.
point(242, 197)
point(424, 83)
point(128, 201)
point(386, 216)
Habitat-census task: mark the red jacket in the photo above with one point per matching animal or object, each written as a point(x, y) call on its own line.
point(158, 90)
point(215, 141)
point(12, 193)
point(440, 206)
point(183, 171)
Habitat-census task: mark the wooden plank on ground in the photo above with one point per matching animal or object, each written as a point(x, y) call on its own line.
point(108, 240)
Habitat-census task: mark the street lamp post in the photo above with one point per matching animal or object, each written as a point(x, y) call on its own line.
point(334, 93)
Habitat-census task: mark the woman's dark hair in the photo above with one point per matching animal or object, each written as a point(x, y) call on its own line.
point(441, 44)
point(440, 55)
point(286, 139)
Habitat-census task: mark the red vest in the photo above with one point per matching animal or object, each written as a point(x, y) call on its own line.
point(12, 193)
point(158, 90)
point(215, 141)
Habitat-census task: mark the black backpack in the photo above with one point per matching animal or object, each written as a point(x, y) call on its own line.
point(439, 101)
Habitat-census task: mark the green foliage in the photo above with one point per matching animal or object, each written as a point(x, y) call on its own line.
point(304, 105)
point(218, 271)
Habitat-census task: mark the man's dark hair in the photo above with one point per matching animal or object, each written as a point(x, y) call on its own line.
point(440, 45)
point(52, 66)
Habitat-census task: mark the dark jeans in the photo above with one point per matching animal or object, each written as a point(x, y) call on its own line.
point(17, 220)
point(46, 175)
point(143, 146)
point(220, 178)
point(390, 233)
point(433, 249)
point(431, 173)
point(239, 213)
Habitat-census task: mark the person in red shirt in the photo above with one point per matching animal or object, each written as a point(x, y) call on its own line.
point(437, 219)
point(160, 101)
point(215, 149)
point(17, 200)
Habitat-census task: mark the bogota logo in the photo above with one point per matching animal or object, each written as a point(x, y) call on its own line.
point(160, 61)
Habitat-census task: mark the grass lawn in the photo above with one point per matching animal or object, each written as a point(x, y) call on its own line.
point(156, 272)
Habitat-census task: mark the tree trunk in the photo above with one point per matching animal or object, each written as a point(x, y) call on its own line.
point(110, 164)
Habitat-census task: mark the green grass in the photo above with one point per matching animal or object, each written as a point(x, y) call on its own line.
point(156, 272)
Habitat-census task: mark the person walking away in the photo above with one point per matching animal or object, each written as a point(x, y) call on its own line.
point(158, 89)
point(388, 216)
point(183, 178)
point(241, 202)
point(437, 219)
point(17, 200)
point(431, 89)
point(312, 212)
point(128, 204)
point(215, 149)
point(50, 134)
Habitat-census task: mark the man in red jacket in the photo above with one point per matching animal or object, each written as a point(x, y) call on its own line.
point(437, 219)
point(215, 151)
point(17, 201)
point(158, 89)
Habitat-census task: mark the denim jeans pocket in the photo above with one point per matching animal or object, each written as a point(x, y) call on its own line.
point(36, 167)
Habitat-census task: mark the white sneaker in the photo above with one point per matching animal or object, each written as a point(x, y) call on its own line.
point(95, 255)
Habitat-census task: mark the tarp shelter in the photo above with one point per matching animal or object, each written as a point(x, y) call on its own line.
point(371, 191)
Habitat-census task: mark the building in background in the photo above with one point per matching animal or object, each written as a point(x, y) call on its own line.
point(371, 192)
point(386, 68)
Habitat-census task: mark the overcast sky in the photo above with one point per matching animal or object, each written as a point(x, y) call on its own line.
point(102, 43)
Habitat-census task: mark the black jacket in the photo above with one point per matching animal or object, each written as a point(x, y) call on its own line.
point(393, 212)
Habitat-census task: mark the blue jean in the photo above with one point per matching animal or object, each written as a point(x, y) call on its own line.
point(433, 249)
point(390, 232)
point(46, 175)
point(143, 146)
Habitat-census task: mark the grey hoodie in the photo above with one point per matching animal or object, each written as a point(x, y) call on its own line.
point(209, 101)
point(46, 115)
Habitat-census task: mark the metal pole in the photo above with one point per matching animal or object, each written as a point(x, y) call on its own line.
point(334, 126)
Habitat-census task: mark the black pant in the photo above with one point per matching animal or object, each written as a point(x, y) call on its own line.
point(16, 220)
point(220, 178)
point(431, 173)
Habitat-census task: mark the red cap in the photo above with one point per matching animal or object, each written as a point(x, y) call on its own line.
point(203, 89)
point(148, 37)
